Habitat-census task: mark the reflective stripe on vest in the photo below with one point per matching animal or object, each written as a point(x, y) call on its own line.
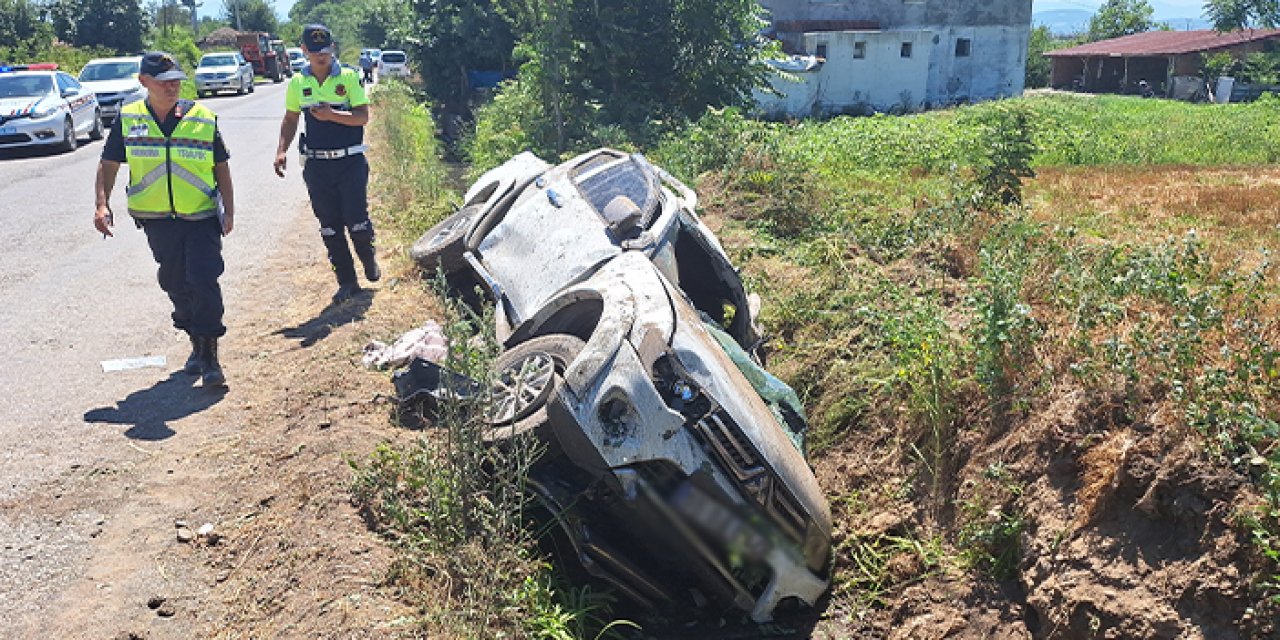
point(170, 176)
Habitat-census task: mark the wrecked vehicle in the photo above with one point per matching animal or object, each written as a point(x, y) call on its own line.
point(675, 467)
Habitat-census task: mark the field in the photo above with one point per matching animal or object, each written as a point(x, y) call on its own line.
point(1038, 345)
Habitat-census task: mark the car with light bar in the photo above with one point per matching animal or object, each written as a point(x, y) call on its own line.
point(675, 466)
point(115, 82)
point(42, 106)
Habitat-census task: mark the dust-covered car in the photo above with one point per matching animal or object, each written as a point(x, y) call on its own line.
point(675, 467)
point(40, 105)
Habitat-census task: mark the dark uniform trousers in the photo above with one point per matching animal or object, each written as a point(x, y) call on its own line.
point(190, 257)
point(338, 191)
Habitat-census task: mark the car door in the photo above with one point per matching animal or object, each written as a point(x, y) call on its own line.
point(241, 64)
point(77, 100)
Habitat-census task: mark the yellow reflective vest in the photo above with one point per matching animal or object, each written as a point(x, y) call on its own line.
point(170, 176)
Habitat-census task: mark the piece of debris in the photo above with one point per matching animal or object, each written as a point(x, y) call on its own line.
point(205, 529)
point(427, 342)
point(125, 364)
point(185, 535)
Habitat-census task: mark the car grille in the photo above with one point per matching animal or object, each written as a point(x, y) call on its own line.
point(718, 433)
point(13, 138)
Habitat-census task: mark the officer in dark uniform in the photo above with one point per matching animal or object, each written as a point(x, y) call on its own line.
point(180, 195)
point(335, 168)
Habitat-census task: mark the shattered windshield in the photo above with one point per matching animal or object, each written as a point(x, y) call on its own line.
point(624, 177)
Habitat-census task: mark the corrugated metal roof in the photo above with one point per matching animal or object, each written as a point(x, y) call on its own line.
point(1165, 43)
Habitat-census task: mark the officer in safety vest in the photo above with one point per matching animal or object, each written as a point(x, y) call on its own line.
point(332, 149)
point(180, 195)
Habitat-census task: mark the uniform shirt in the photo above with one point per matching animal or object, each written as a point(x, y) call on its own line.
point(113, 150)
point(341, 90)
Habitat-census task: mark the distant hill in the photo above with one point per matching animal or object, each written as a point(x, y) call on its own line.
point(1063, 21)
point(1071, 21)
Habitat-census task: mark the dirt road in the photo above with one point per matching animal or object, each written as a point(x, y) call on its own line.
point(97, 466)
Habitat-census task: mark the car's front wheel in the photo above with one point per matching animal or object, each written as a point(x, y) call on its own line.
point(442, 246)
point(525, 376)
point(69, 141)
point(96, 132)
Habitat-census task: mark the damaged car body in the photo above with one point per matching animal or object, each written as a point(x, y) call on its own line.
point(675, 469)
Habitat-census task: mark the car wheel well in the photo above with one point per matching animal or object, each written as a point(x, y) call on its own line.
point(578, 319)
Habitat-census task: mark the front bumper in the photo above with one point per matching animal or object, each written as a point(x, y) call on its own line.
point(220, 84)
point(24, 132)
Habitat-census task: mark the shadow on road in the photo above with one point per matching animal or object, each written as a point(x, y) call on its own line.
point(149, 411)
point(332, 317)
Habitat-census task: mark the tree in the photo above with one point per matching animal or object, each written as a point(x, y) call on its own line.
point(253, 15)
point(385, 23)
point(1229, 15)
point(599, 65)
point(1117, 18)
point(115, 24)
point(23, 30)
point(1038, 66)
point(454, 36)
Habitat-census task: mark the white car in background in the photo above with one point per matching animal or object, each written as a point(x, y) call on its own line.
point(225, 71)
point(297, 59)
point(115, 82)
point(40, 105)
point(393, 64)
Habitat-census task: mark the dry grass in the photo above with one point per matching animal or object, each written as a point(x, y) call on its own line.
point(1231, 208)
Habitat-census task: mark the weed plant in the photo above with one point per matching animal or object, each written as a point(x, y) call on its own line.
point(409, 183)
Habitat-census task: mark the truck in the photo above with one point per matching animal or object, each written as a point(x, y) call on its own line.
point(267, 61)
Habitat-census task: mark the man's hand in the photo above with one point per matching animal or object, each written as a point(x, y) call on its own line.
point(322, 112)
point(228, 222)
point(282, 161)
point(103, 220)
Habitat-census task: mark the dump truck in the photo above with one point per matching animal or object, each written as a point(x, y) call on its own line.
point(257, 48)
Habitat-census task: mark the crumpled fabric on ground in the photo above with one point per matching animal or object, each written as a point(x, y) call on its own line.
point(427, 342)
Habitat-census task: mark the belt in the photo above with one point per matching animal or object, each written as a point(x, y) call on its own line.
point(334, 154)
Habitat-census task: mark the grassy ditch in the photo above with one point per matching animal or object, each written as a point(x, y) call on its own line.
point(921, 311)
point(1001, 319)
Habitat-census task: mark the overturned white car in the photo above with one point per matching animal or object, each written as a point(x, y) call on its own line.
point(676, 468)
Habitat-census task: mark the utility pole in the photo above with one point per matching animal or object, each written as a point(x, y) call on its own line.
point(195, 22)
point(235, 6)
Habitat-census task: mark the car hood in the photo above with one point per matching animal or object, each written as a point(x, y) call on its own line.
point(120, 85)
point(19, 106)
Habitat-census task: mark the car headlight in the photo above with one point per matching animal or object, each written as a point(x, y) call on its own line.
point(44, 112)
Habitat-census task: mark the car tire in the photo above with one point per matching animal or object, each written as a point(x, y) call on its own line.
point(443, 246)
point(525, 377)
point(252, 85)
point(69, 141)
point(96, 132)
point(202, 94)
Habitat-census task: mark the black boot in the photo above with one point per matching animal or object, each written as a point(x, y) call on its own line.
point(346, 291)
point(367, 253)
point(195, 362)
point(212, 370)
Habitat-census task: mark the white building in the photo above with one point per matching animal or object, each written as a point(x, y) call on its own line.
point(902, 55)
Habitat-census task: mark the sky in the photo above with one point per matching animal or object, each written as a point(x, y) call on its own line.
point(1187, 8)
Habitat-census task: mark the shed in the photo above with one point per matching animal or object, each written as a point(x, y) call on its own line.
point(1168, 60)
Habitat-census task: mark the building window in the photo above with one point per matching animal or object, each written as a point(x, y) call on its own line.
point(820, 50)
point(963, 47)
point(906, 49)
point(859, 50)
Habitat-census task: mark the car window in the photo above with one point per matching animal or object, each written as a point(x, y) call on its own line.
point(394, 57)
point(108, 71)
point(67, 83)
point(24, 86)
point(218, 61)
point(625, 177)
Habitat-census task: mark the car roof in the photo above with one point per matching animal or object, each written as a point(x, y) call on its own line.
point(109, 60)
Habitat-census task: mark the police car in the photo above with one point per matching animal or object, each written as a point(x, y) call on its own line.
point(40, 105)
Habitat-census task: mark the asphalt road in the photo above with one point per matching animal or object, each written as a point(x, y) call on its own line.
point(69, 300)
